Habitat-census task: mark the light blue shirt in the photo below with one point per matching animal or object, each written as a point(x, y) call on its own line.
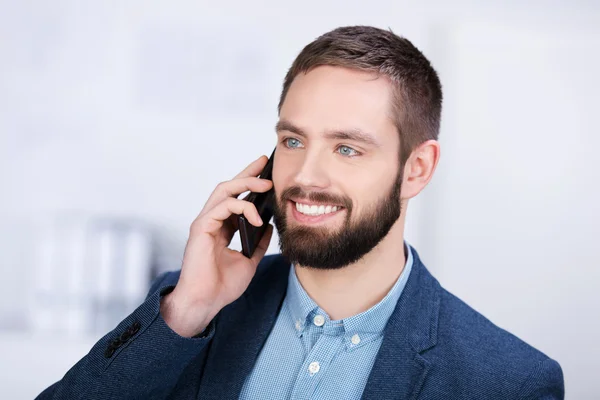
point(309, 356)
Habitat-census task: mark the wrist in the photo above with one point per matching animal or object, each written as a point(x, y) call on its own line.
point(187, 320)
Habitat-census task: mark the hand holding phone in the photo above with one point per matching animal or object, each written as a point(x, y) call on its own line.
point(213, 275)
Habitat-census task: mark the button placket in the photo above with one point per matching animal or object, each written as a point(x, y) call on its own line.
point(315, 365)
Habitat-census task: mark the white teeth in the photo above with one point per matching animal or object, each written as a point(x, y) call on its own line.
point(315, 210)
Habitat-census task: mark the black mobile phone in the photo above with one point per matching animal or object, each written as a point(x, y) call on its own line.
point(250, 235)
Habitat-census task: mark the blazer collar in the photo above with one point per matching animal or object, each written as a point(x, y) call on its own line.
point(400, 369)
point(245, 324)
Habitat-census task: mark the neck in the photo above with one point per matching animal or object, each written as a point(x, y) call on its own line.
point(372, 277)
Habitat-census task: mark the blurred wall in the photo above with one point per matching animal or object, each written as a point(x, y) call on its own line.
point(138, 109)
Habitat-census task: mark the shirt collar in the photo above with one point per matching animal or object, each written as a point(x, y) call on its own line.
point(371, 321)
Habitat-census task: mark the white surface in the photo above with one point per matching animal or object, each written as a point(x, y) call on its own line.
point(30, 364)
point(519, 216)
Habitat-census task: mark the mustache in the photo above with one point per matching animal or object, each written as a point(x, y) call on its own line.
point(317, 197)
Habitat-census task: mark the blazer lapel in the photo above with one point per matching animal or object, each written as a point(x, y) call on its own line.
point(243, 328)
point(400, 369)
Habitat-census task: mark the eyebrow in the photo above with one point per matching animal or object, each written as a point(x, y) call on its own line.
point(354, 134)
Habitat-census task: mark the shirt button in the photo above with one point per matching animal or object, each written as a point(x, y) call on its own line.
point(319, 320)
point(355, 339)
point(298, 325)
point(314, 367)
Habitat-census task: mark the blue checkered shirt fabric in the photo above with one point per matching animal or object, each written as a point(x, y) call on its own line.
point(309, 356)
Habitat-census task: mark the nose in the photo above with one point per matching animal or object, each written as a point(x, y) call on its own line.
point(312, 173)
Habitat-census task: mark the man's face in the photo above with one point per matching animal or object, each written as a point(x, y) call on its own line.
point(336, 175)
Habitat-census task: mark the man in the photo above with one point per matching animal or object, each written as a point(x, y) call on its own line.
point(348, 310)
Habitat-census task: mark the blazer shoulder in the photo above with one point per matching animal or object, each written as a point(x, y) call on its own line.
point(464, 325)
point(479, 348)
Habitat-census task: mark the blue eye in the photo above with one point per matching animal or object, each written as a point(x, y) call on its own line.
point(347, 151)
point(292, 143)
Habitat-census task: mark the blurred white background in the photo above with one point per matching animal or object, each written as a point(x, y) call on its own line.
point(118, 118)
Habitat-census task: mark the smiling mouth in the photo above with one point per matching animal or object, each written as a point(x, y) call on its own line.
point(315, 210)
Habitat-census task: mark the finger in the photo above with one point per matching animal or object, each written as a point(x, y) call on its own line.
point(234, 187)
point(213, 220)
point(254, 169)
point(262, 246)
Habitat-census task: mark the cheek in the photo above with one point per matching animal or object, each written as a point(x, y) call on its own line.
point(368, 182)
point(381, 179)
point(284, 170)
point(281, 176)
point(367, 189)
point(277, 172)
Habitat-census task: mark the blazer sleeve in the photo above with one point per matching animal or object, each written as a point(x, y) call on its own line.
point(141, 358)
point(546, 382)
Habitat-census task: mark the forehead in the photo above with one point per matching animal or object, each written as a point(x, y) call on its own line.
point(329, 97)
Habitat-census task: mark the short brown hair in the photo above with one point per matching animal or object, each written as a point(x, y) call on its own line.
point(417, 103)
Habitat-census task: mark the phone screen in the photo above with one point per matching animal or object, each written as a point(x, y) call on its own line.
point(250, 235)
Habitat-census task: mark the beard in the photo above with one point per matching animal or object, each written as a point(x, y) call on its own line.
point(322, 248)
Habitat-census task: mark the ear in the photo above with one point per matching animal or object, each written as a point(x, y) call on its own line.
point(419, 168)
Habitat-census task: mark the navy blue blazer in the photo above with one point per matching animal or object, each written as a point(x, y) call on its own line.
point(434, 347)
